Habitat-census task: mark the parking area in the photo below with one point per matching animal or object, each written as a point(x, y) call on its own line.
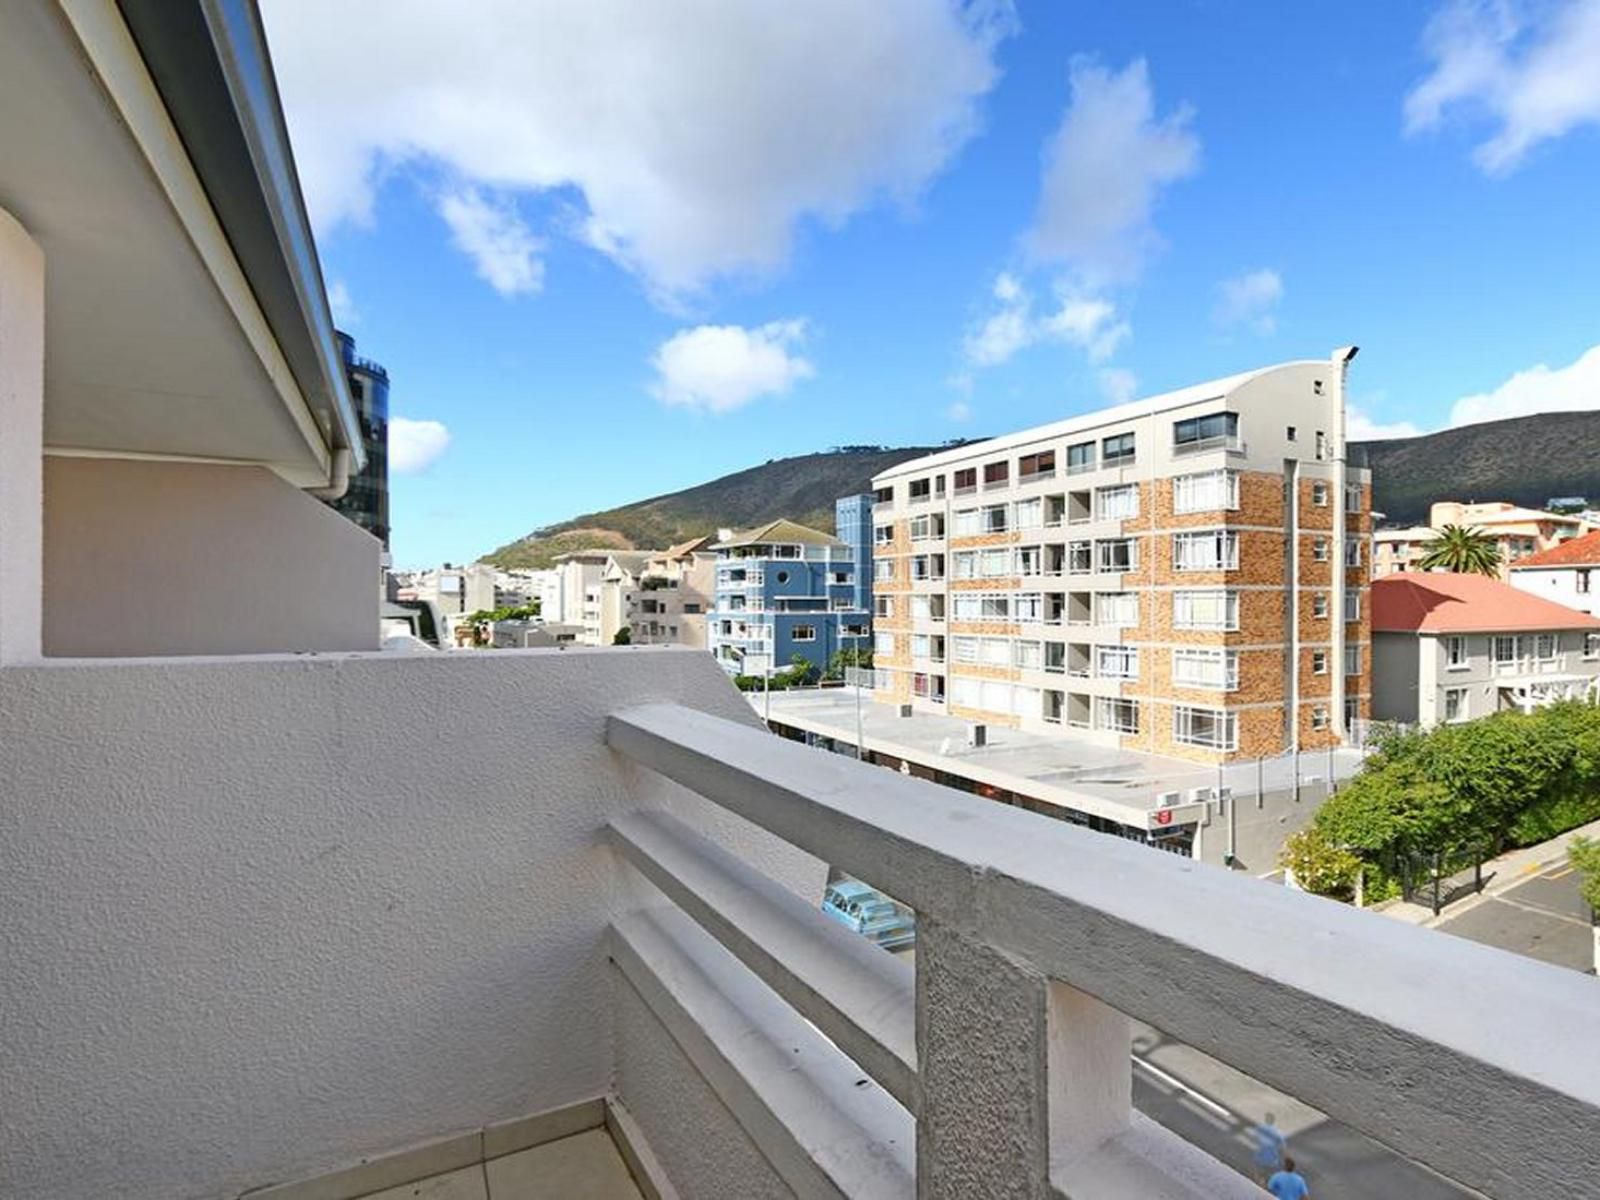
point(1541, 914)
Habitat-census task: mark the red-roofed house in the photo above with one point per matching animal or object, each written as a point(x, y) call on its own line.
point(1454, 647)
point(1562, 573)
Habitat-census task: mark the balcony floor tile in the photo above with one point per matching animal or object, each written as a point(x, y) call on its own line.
point(465, 1184)
point(585, 1166)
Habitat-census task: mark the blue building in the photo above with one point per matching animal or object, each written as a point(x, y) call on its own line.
point(784, 589)
point(852, 521)
point(366, 500)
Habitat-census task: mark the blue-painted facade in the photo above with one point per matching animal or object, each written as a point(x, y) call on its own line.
point(786, 598)
point(852, 522)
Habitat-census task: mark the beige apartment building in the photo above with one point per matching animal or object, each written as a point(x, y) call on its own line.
point(1183, 575)
point(675, 591)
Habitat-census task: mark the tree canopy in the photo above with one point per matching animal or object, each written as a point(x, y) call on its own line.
point(1463, 550)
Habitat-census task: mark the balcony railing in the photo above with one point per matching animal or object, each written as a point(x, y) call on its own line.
point(1232, 443)
point(1036, 943)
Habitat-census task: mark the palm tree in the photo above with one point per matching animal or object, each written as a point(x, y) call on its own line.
point(1462, 550)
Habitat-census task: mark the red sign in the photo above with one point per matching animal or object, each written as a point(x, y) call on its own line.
point(1163, 816)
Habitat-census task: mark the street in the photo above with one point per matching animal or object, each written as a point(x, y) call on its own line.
point(1541, 914)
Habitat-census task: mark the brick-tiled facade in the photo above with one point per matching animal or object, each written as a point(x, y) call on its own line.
point(1062, 589)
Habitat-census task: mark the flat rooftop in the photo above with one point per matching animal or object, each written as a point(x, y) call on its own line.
point(1060, 768)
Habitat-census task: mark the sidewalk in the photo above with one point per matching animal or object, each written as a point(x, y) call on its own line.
point(1500, 874)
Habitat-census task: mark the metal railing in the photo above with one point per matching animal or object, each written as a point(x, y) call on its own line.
point(1037, 941)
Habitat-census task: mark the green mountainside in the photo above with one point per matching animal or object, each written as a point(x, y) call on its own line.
point(1526, 460)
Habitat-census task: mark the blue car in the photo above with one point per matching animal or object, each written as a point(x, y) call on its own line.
point(870, 913)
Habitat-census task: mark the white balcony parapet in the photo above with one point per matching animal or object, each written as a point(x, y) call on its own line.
point(1037, 942)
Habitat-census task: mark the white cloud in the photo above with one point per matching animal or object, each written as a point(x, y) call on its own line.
point(1103, 169)
point(1118, 384)
point(695, 136)
point(415, 445)
point(1358, 427)
point(1088, 322)
point(1538, 389)
point(1529, 69)
point(341, 305)
point(502, 248)
point(718, 368)
point(959, 411)
point(1250, 299)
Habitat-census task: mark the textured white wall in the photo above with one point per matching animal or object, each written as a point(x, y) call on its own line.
point(149, 558)
point(260, 917)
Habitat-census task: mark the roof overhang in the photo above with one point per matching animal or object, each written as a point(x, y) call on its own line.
point(145, 151)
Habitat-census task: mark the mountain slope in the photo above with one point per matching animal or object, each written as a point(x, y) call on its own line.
point(1526, 460)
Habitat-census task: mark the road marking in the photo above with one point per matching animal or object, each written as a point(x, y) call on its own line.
point(1541, 911)
point(1174, 1082)
point(1562, 873)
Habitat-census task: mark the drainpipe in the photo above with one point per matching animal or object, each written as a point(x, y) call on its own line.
point(338, 477)
point(1341, 363)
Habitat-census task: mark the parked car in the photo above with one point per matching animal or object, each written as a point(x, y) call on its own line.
point(870, 913)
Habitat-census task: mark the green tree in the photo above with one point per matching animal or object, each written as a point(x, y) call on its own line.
point(1319, 865)
point(843, 660)
point(1463, 550)
point(1584, 855)
point(623, 636)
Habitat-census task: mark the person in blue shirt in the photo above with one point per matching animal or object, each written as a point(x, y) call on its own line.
point(1269, 1148)
point(1288, 1184)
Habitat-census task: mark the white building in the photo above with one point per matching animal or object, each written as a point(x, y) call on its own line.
point(1566, 573)
point(295, 924)
point(1449, 647)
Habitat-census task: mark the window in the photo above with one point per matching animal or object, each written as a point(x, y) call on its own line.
point(1117, 503)
point(1581, 582)
point(1319, 549)
point(883, 643)
point(691, 606)
point(1027, 655)
point(995, 607)
point(855, 629)
point(1322, 444)
point(1210, 610)
point(992, 519)
point(1352, 553)
point(1352, 498)
point(1352, 604)
point(883, 534)
point(1506, 649)
point(1455, 704)
point(1319, 662)
point(994, 563)
point(1118, 554)
point(1030, 560)
point(996, 474)
point(839, 577)
point(1030, 513)
point(1028, 607)
point(921, 643)
point(1212, 728)
point(883, 495)
point(1319, 605)
point(1545, 647)
point(966, 564)
point(1204, 668)
point(1080, 458)
point(965, 649)
point(1080, 558)
point(783, 577)
point(1117, 451)
point(804, 633)
point(1117, 662)
point(1319, 716)
point(930, 526)
point(1207, 550)
point(1205, 491)
point(1120, 716)
point(883, 606)
point(1352, 660)
point(1591, 645)
point(883, 570)
point(1319, 493)
point(1042, 464)
point(966, 480)
point(1195, 432)
point(1352, 711)
point(1291, 433)
point(919, 489)
point(1117, 608)
point(967, 523)
point(1455, 652)
point(994, 652)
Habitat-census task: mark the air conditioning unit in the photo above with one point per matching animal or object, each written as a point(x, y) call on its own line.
point(905, 710)
point(977, 736)
point(1169, 799)
point(1199, 795)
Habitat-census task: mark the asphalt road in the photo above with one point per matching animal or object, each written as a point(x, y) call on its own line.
point(1541, 915)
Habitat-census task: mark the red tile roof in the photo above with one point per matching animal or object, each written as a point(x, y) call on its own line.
point(1439, 602)
point(1574, 552)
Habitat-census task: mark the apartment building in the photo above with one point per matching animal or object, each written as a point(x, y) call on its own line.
point(784, 589)
point(1518, 532)
point(1566, 573)
point(581, 573)
point(1399, 549)
point(675, 594)
point(1449, 647)
point(1184, 575)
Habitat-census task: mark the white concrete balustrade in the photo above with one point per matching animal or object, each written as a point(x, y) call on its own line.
point(262, 918)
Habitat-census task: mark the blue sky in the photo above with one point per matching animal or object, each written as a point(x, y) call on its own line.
point(614, 249)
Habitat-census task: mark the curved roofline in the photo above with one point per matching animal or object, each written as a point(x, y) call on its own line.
point(1196, 393)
